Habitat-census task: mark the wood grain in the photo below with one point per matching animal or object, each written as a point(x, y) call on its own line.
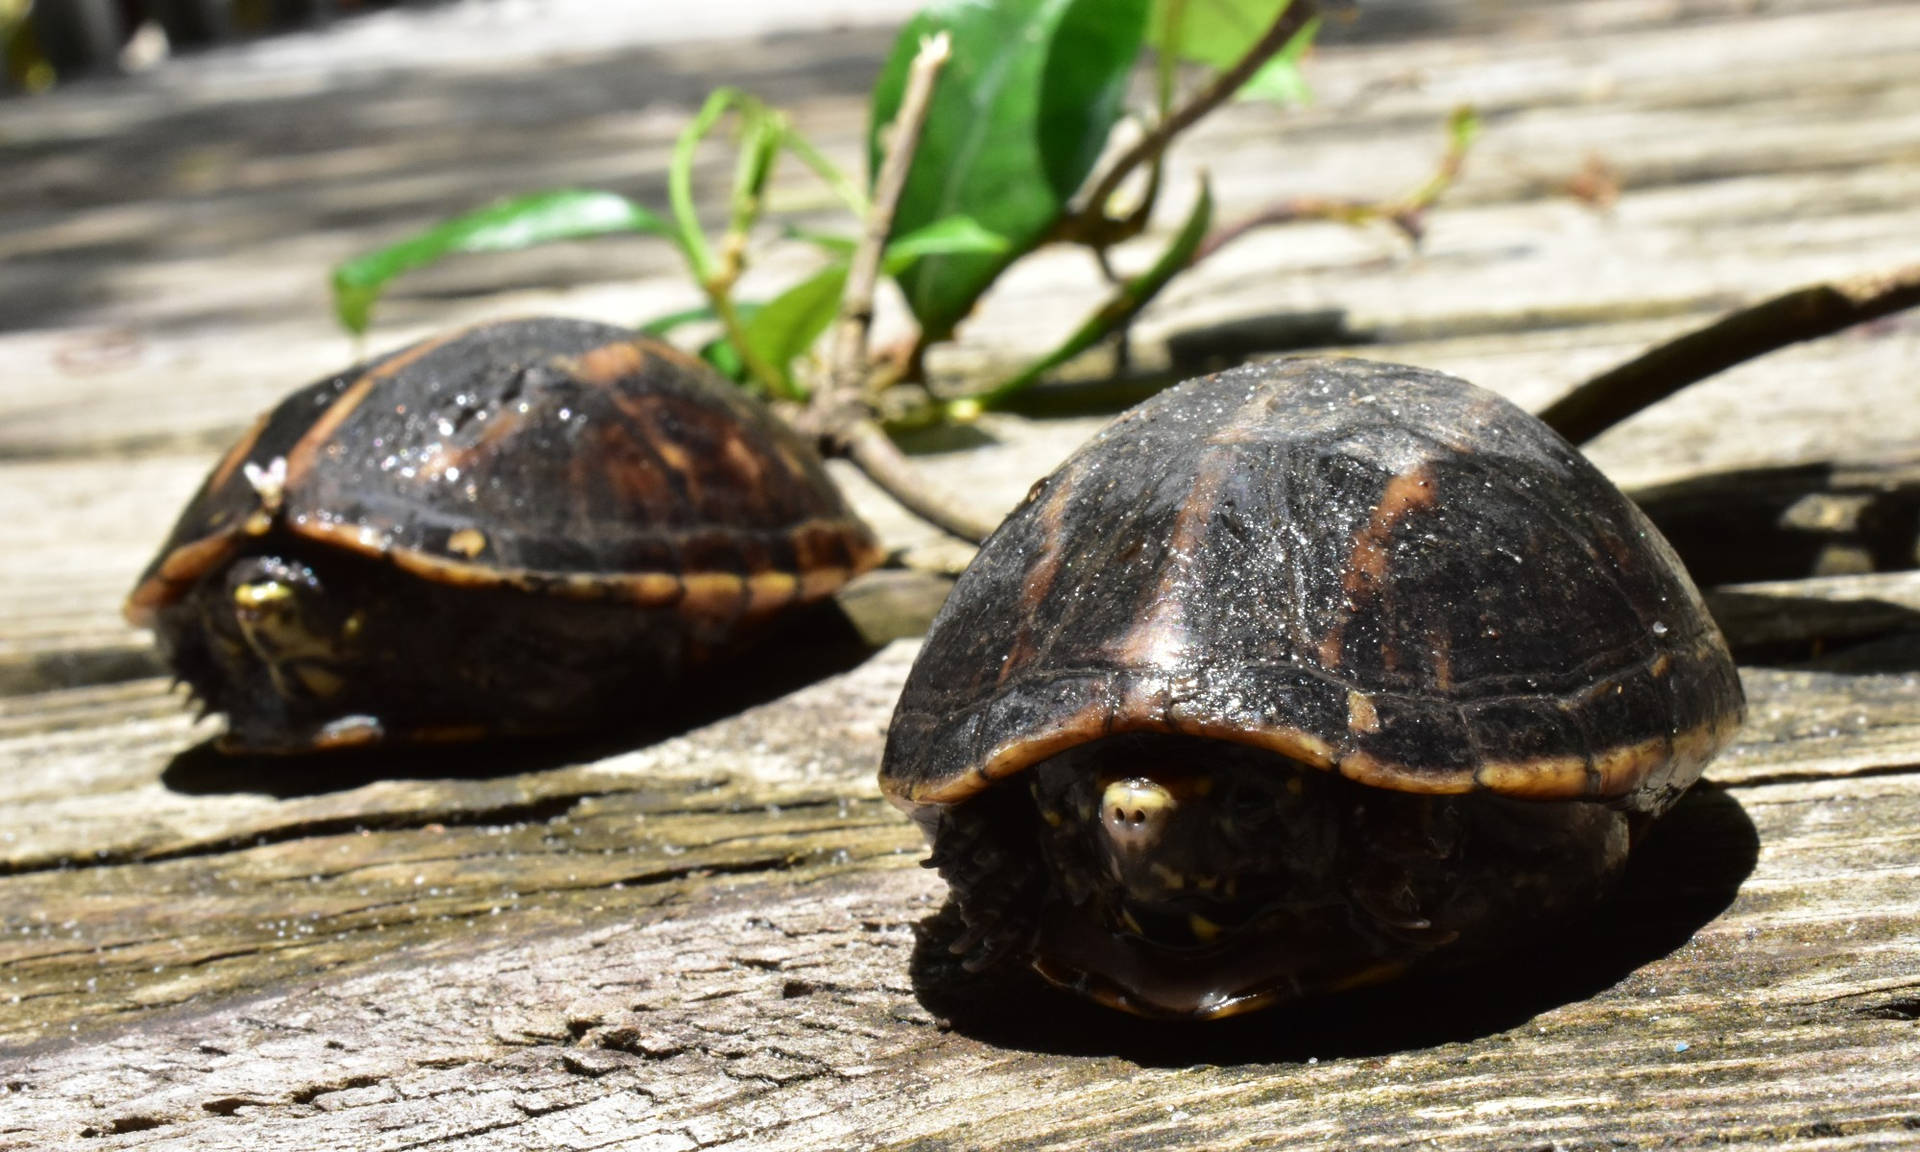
point(719, 937)
point(677, 946)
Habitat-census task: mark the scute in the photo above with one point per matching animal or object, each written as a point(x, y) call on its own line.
point(1249, 553)
point(555, 454)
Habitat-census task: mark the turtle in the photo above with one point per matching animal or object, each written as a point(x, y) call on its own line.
point(526, 526)
point(1298, 678)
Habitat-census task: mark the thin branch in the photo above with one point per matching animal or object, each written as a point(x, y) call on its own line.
point(827, 170)
point(1407, 212)
point(847, 364)
point(1804, 314)
point(875, 453)
point(1214, 94)
point(840, 413)
point(1352, 212)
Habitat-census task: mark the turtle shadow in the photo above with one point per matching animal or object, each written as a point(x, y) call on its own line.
point(1792, 521)
point(806, 649)
point(1684, 874)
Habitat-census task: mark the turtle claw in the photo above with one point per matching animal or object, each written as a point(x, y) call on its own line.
point(1394, 914)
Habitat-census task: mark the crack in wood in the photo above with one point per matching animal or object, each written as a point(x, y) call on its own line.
point(530, 812)
point(1815, 776)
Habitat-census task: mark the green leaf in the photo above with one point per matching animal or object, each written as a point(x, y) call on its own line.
point(541, 218)
point(661, 325)
point(1280, 78)
point(1219, 32)
point(1018, 118)
point(724, 357)
point(786, 328)
point(953, 235)
point(1122, 307)
point(1084, 88)
point(721, 354)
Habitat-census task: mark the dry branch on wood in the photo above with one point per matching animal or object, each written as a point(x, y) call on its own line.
point(723, 940)
point(1803, 314)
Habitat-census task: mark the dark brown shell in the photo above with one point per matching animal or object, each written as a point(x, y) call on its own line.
point(1372, 569)
point(534, 525)
point(555, 455)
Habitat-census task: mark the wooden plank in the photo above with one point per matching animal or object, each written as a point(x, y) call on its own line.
point(1819, 183)
point(720, 939)
point(691, 949)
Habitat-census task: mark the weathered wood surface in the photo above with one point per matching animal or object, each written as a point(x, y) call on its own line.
point(696, 945)
point(721, 939)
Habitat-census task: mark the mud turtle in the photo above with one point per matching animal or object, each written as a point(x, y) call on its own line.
point(1298, 677)
point(525, 526)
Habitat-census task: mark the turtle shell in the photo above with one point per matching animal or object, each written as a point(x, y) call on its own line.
point(1372, 569)
point(475, 484)
point(1299, 677)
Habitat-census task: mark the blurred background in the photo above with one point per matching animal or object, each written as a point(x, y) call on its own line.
point(54, 41)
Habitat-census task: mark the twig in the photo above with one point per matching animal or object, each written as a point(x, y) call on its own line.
point(839, 413)
point(1803, 314)
point(847, 363)
point(1314, 208)
point(1407, 213)
point(1214, 94)
point(875, 453)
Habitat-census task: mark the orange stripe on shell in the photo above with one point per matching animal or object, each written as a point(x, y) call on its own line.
point(1615, 773)
point(178, 572)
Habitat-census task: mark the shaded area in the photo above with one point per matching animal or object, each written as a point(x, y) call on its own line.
point(816, 644)
point(1685, 873)
point(1762, 628)
point(214, 175)
point(1886, 655)
point(1785, 523)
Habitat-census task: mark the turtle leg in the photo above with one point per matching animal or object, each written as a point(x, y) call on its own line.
point(984, 851)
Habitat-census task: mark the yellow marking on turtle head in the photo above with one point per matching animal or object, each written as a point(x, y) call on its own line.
point(273, 620)
point(1134, 812)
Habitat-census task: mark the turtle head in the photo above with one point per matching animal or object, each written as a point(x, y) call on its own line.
point(1181, 877)
point(1172, 865)
point(303, 637)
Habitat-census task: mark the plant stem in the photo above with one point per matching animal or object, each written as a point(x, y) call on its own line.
point(827, 170)
point(693, 241)
point(763, 373)
point(1406, 213)
point(1350, 212)
point(876, 455)
point(1119, 310)
point(1214, 94)
point(840, 413)
point(1803, 314)
point(848, 360)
